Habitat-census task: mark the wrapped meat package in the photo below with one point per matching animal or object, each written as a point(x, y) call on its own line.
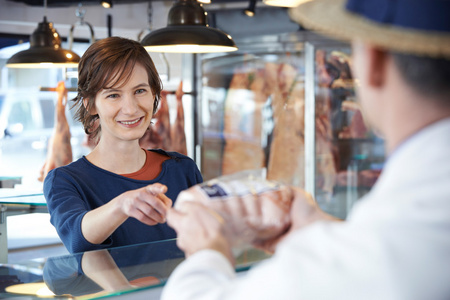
point(254, 209)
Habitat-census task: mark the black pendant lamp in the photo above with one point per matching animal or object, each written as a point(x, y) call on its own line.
point(45, 51)
point(187, 31)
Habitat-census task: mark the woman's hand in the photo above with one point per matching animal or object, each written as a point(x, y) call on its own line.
point(148, 204)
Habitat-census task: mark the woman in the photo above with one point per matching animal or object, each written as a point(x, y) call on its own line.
point(119, 193)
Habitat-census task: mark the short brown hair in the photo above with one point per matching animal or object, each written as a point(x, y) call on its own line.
point(427, 75)
point(104, 64)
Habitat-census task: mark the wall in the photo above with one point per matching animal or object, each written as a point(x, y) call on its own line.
point(127, 19)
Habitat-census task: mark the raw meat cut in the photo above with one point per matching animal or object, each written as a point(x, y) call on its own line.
point(59, 152)
point(286, 162)
point(242, 122)
point(161, 134)
point(177, 133)
point(254, 209)
point(357, 128)
point(326, 152)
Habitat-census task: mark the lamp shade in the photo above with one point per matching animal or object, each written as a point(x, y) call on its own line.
point(45, 51)
point(187, 31)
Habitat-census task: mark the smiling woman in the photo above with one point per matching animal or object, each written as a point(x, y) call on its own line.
point(119, 193)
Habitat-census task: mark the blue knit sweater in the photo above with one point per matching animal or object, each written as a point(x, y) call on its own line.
point(73, 190)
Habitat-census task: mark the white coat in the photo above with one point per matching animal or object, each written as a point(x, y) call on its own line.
point(394, 245)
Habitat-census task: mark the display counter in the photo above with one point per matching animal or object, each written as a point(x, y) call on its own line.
point(131, 272)
point(9, 181)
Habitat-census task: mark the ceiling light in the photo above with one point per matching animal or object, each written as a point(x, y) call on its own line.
point(45, 51)
point(250, 10)
point(187, 31)
point(285, 3)
point(106, 3)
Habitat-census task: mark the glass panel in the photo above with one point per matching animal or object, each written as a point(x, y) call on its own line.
point(16, 196)
point(349, 156)
point(21, 115)
point(102, 273)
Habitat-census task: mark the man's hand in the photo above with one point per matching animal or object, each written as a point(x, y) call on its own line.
point(304, 211)
point(148, 204)
point(199, 227)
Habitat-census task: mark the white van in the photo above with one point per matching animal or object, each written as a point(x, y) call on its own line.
point(27, 122)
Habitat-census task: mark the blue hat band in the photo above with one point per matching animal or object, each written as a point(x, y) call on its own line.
point(433, 15)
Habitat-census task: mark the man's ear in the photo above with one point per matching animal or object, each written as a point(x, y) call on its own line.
point(378, 60)
point(85, 104)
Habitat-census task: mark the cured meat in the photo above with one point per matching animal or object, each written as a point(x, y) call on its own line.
point(158, 135)
point(162, 134)
point(286, 161)
point(151, 139)
point(178, 134)
point(162, 125)
point(59, 151)
point(279, 87)
point(254, 209)
point(327, 156)
point(365, 178)
point(242, 122)
point(357, 128)
point(341, 62)
point(326, 72)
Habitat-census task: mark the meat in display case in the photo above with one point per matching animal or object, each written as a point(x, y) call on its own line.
point(287, 103)
point(348, 155)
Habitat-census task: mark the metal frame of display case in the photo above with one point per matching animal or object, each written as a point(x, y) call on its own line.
point(310, 109)
point(310, 125)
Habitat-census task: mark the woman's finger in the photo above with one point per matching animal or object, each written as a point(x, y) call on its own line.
point(156, 188)
point(152, 214)
point(139, 215)
point(153, 196)
point(166, 200)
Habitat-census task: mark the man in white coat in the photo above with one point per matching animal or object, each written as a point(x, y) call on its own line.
point(395, 244)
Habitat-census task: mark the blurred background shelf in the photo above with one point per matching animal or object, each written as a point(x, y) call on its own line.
point(28, 242)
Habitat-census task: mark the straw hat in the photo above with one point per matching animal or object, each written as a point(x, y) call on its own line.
point(411, 26)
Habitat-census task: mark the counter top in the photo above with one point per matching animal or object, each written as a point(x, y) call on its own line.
point(14, 196)
point(116, 272)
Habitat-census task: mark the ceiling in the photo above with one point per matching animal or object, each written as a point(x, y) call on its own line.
point(68, 3)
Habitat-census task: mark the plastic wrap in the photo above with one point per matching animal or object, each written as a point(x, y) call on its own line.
point(254, 209)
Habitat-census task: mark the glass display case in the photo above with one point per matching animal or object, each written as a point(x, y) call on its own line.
point(287, 103)
point(129, 272)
